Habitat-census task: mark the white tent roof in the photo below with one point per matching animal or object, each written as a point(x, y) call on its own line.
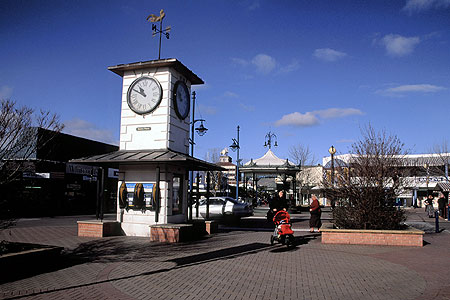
point(269, 159)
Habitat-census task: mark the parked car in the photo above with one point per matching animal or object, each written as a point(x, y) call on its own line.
point(220, 207)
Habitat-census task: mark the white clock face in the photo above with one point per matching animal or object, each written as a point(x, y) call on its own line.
point(181, 99)
point(144, 95)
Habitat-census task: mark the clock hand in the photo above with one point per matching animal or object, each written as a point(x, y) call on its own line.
point(142, 92)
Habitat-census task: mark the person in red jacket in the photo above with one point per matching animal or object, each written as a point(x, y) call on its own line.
point(314, 210)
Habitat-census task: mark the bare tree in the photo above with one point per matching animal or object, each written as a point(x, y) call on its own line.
point(367, 191)
point(302, 155)
point(19, 140)
point(442, 151)
point(213, 156)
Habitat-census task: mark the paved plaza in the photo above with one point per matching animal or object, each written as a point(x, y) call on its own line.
point(236, 263)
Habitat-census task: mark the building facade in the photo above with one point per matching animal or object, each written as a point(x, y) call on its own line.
point(422, 174)
point(47, 184)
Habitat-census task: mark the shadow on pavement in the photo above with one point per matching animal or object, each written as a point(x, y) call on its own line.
point(299, 241)
point(105, 250)
point(30, 268)
point(183, 262)
point(227, 253)
point(248, 224)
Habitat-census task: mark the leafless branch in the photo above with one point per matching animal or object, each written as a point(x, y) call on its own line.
point(367, 187)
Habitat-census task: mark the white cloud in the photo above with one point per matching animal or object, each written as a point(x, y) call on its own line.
point(332, 113)
point(5, 92)
point(327, 54)
point(413, 6)
point(313, 118)
point(89, 130)
point(298, 119)
point(397, 45)
point(264, 63)
point(239, 61)
point(293, 66)
point(399, 91)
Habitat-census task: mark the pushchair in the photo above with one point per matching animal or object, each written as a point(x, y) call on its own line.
point(283, 232)
point(430, 210)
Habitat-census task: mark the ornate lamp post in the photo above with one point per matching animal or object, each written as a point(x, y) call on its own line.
point(427, 167)
point(201, 130)
point(268, 140)
point(332, 151)
point(235, 147)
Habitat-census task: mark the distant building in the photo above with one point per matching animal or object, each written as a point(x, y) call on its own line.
point(226, 162)
point(423, 174)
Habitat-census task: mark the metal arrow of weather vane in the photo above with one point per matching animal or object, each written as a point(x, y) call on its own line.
point(153, 18)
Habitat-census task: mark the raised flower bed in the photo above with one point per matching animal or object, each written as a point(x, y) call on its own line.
point(20, 259)
point(407, 237)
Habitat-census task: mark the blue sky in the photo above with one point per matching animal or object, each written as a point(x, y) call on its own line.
point(312, 72)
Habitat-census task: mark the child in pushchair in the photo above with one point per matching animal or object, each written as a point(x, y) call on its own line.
point(283, 232)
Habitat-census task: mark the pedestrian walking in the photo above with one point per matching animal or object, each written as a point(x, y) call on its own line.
point(429, 206)
point(278, 202)
point(314, 210)
point(442, 203)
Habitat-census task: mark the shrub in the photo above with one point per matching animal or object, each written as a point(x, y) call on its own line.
point(365, 188)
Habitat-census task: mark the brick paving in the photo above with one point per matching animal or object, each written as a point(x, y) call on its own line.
point(236, 263)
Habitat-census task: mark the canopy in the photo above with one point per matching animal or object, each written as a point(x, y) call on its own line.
point(148, 158)
point(270, 164)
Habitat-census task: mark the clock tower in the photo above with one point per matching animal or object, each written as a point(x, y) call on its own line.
point(153, 159)
point(155, 109)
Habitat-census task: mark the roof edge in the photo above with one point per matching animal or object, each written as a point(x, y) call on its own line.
point(168, 62)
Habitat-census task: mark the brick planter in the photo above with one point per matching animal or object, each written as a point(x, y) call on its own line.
point(28, 262)
point(211, 227)
point(171, 233)
point(98, 228)
point(407, 237)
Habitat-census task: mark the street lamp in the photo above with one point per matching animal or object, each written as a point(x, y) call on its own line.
point(268, 140)
point(235, 147)
point(427, 167)
point(332, 151)
point(201, 130)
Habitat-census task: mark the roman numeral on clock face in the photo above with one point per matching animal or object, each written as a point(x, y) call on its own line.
point(144, 95)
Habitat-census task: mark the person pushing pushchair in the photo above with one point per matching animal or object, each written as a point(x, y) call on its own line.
point(429, 206)
point(276, 204)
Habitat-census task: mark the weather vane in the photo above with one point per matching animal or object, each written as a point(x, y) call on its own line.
point(152, 18)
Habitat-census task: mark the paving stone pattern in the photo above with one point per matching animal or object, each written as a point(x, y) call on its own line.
point(235, 264)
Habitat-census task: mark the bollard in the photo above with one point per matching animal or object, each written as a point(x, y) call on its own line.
point(436, 214)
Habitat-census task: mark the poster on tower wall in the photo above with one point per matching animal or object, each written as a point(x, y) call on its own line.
point(148, 195)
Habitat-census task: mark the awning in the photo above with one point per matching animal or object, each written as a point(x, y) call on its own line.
point(443, 186)
point(148, 158)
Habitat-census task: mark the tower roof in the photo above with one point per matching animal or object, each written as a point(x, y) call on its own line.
point(169, 62)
